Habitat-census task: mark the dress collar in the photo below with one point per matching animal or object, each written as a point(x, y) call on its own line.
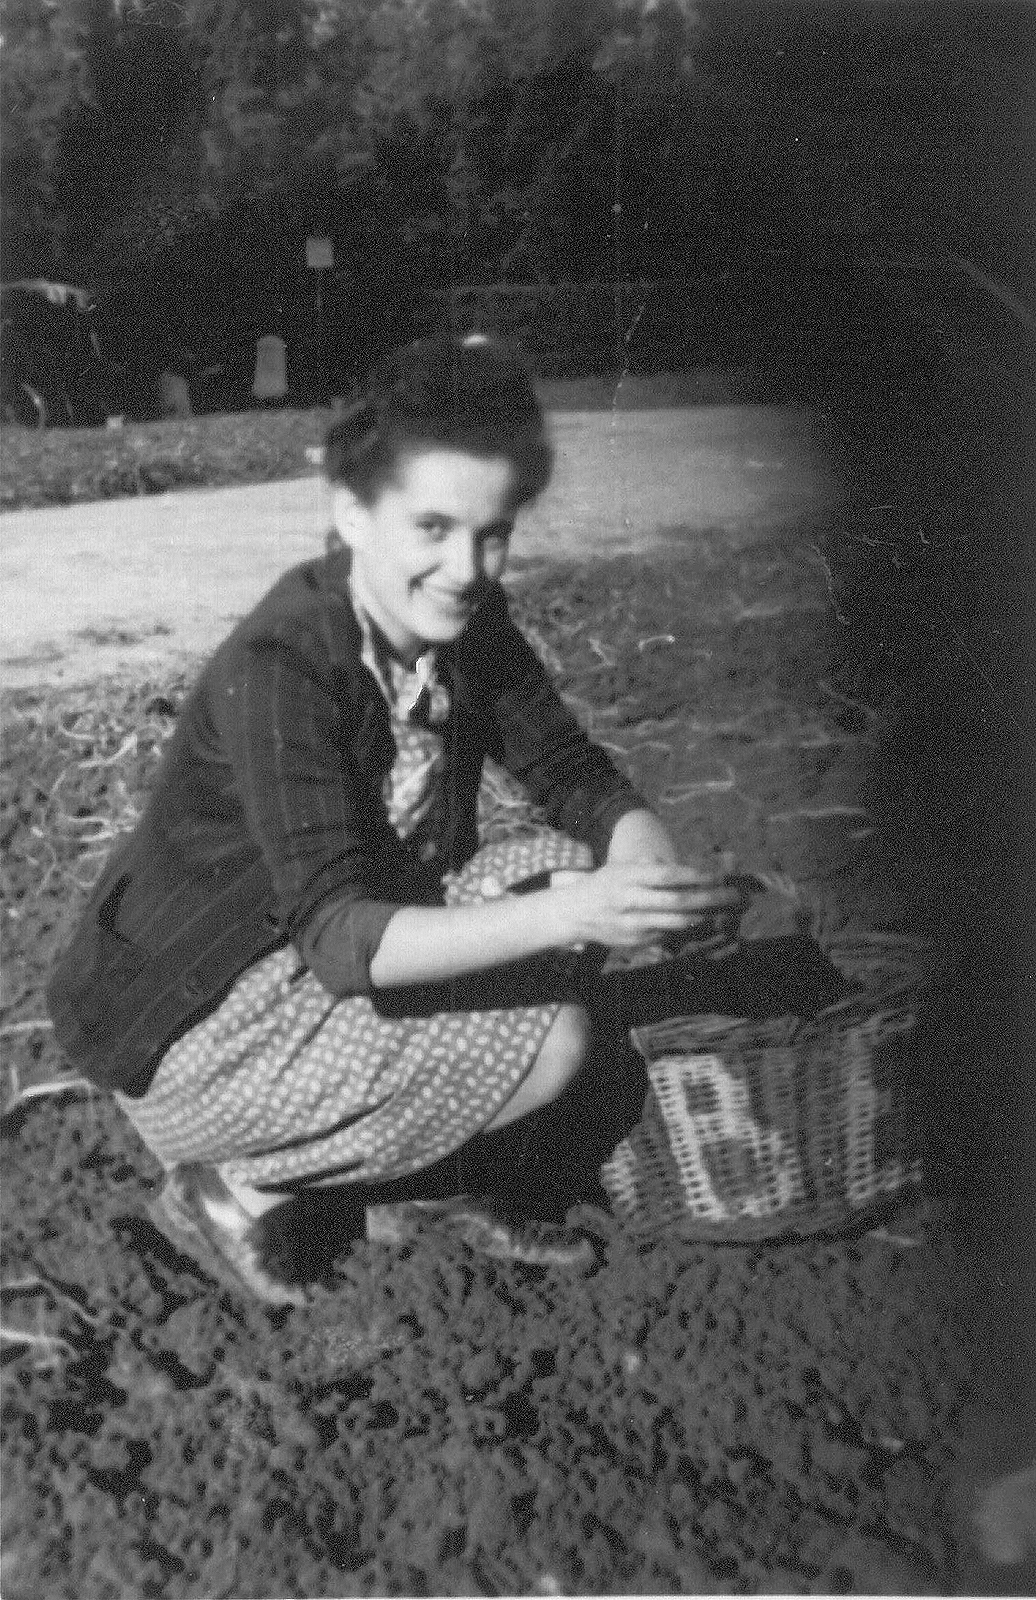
point(412, 693)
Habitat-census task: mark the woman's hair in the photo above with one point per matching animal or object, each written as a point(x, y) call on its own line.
point(472, 394)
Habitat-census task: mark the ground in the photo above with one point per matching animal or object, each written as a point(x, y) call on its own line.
point(688, 1417)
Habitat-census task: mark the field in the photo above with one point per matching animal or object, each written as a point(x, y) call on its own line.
point(689, 1417)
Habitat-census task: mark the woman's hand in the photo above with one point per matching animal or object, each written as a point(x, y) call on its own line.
point(627, 904)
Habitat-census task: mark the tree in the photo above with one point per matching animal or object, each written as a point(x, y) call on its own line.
point(42, 85)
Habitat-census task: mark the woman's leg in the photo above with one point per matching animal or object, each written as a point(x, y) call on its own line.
point(285, 1087)
point(561, 1056)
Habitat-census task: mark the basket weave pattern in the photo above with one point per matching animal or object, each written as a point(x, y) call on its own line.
point(752, 1130)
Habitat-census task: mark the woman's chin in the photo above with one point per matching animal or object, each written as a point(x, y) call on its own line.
point(442, 627)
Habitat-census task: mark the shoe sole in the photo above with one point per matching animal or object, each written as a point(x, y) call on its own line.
point(402, 1224)
point(497, 1241)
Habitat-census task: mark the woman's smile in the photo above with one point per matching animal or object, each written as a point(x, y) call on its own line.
point(449, 601)
point(431, 541)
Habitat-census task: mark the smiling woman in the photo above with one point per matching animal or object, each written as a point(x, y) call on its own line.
point(304, 967)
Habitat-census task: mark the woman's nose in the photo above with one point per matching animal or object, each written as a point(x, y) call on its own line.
point(464, 558)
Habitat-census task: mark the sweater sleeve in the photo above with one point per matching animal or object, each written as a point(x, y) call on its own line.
point(307, 802)
point(573, 780)
point(339, 941)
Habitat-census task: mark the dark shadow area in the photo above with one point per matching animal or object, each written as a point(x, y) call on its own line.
point(934, 578)
point(782, 975)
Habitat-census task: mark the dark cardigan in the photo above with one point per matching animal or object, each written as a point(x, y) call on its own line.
point(268, 806)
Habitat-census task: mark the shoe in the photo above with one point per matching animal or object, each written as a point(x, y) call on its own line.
point(300, 1239)
point(486, 1231)
point(200, 1217)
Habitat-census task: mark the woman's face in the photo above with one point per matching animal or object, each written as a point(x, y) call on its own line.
point(435, 535)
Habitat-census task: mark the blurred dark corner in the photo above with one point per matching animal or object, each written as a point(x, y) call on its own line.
point(930, 425)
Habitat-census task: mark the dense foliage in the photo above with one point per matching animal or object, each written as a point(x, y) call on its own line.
point(178, 155)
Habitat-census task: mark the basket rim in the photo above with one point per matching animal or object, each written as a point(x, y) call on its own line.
point(709, 1032)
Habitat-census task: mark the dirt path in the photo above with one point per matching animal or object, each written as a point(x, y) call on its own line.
point(135, 584)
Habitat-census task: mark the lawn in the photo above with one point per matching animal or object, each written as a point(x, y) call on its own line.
point(690, 1417)
point(65, 466)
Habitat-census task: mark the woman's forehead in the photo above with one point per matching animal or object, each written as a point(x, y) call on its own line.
point(440, 478)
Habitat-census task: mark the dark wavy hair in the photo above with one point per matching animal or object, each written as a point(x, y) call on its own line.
point(473, 394)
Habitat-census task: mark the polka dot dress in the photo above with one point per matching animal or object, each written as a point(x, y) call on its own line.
point(285, 1082)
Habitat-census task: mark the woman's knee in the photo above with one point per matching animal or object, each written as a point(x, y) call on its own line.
point(563, 1052)
point(561, 1056)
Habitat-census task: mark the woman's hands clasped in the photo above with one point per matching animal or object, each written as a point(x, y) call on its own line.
point(627, 904)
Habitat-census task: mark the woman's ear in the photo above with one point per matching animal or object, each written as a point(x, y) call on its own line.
point(348, 516)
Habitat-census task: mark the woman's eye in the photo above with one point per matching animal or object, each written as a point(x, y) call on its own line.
point(434, 527)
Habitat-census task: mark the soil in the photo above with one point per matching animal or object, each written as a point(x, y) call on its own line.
point(687, 1417)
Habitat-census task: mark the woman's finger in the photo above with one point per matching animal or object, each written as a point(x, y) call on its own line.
point(671, 875)
point(719, 891)
point(694, 903)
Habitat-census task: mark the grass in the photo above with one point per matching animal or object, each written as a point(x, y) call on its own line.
point(58, 466)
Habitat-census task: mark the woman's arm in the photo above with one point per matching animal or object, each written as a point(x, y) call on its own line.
point(621, 905)
point(572, 779)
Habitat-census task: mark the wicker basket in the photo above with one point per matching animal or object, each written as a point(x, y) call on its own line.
point(752, 1130)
